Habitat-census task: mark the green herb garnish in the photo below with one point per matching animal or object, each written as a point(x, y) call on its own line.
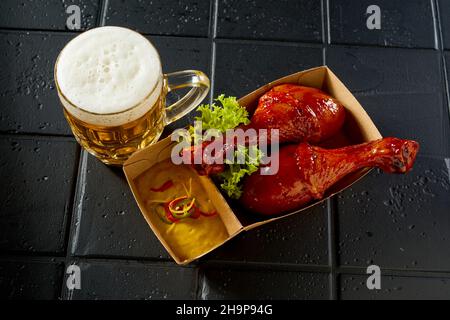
point(233, 175)
point(228, 115)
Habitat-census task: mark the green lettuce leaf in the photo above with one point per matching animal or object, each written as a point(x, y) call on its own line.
point(232, 177)
point(228, 115)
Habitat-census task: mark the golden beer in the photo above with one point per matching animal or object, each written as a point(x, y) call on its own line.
point(115, 144)
point(113, 91)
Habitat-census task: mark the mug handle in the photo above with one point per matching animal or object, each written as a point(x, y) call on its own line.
point(183, 79)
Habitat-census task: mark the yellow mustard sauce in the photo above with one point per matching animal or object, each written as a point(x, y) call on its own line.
point(188, 237)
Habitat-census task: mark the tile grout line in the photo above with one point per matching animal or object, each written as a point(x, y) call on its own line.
point(9, 30)
point(325, 30)
point(259, 42)
point(328, 29)
point(31, 135)
point(36, 257)
point(69, 217)
point(440, 46)
point(73, 222)
point(103, 12)
point(79, 188)
point(214, 8)
point(436, 29)
point(234, 265)
point(281, 43)
point(39, 31)
point(272, 266)
point(286, 43)
point(130, 261)
point(73, 191)
point(331, 221)
point(332, 247)
point(353, 270)
point(213, 35)
point(98, 18)
point(72, 215)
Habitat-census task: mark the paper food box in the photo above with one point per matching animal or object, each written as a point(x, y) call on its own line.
point(230, 220)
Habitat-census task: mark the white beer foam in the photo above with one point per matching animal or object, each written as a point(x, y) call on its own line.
point(109, 70)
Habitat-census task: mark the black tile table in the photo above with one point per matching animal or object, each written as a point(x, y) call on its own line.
point(30, 279)
point(104, 213)
point(28, 99)
point(134, 280)
point(267, 244)
point(38, 174)
point(395, 287)
point(444, 16)
point(401, 25)
point(46, 15)
point(401, 226)
point(257, 64)
point(402, 100)
point(61, 207)
point(184, 18)
point(264, 284)
point(270, 20)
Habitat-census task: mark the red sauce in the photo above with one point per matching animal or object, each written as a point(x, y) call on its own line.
point(166, 185)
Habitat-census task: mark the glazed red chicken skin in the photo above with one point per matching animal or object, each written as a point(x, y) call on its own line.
point(302, 114)
point(306, 115)
point(306, 172)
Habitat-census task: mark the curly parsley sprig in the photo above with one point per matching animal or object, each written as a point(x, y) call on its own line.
point(228, 114)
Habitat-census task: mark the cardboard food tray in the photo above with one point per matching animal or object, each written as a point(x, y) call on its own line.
point(358, 128)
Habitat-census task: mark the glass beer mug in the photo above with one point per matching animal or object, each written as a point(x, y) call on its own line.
point(112, 88)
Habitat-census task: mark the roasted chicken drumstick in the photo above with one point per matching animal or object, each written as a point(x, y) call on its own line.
point(306, 172)
point(301, 114)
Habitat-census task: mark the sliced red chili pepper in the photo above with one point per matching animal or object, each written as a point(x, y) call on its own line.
point(178, 203)
point(169, 214)
point(172, 207)
point(161, 213)
point(166, 185)
point(196, 213)
point(173, 203)
point(184, 215)
point(208, 214)
point(182, 207)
